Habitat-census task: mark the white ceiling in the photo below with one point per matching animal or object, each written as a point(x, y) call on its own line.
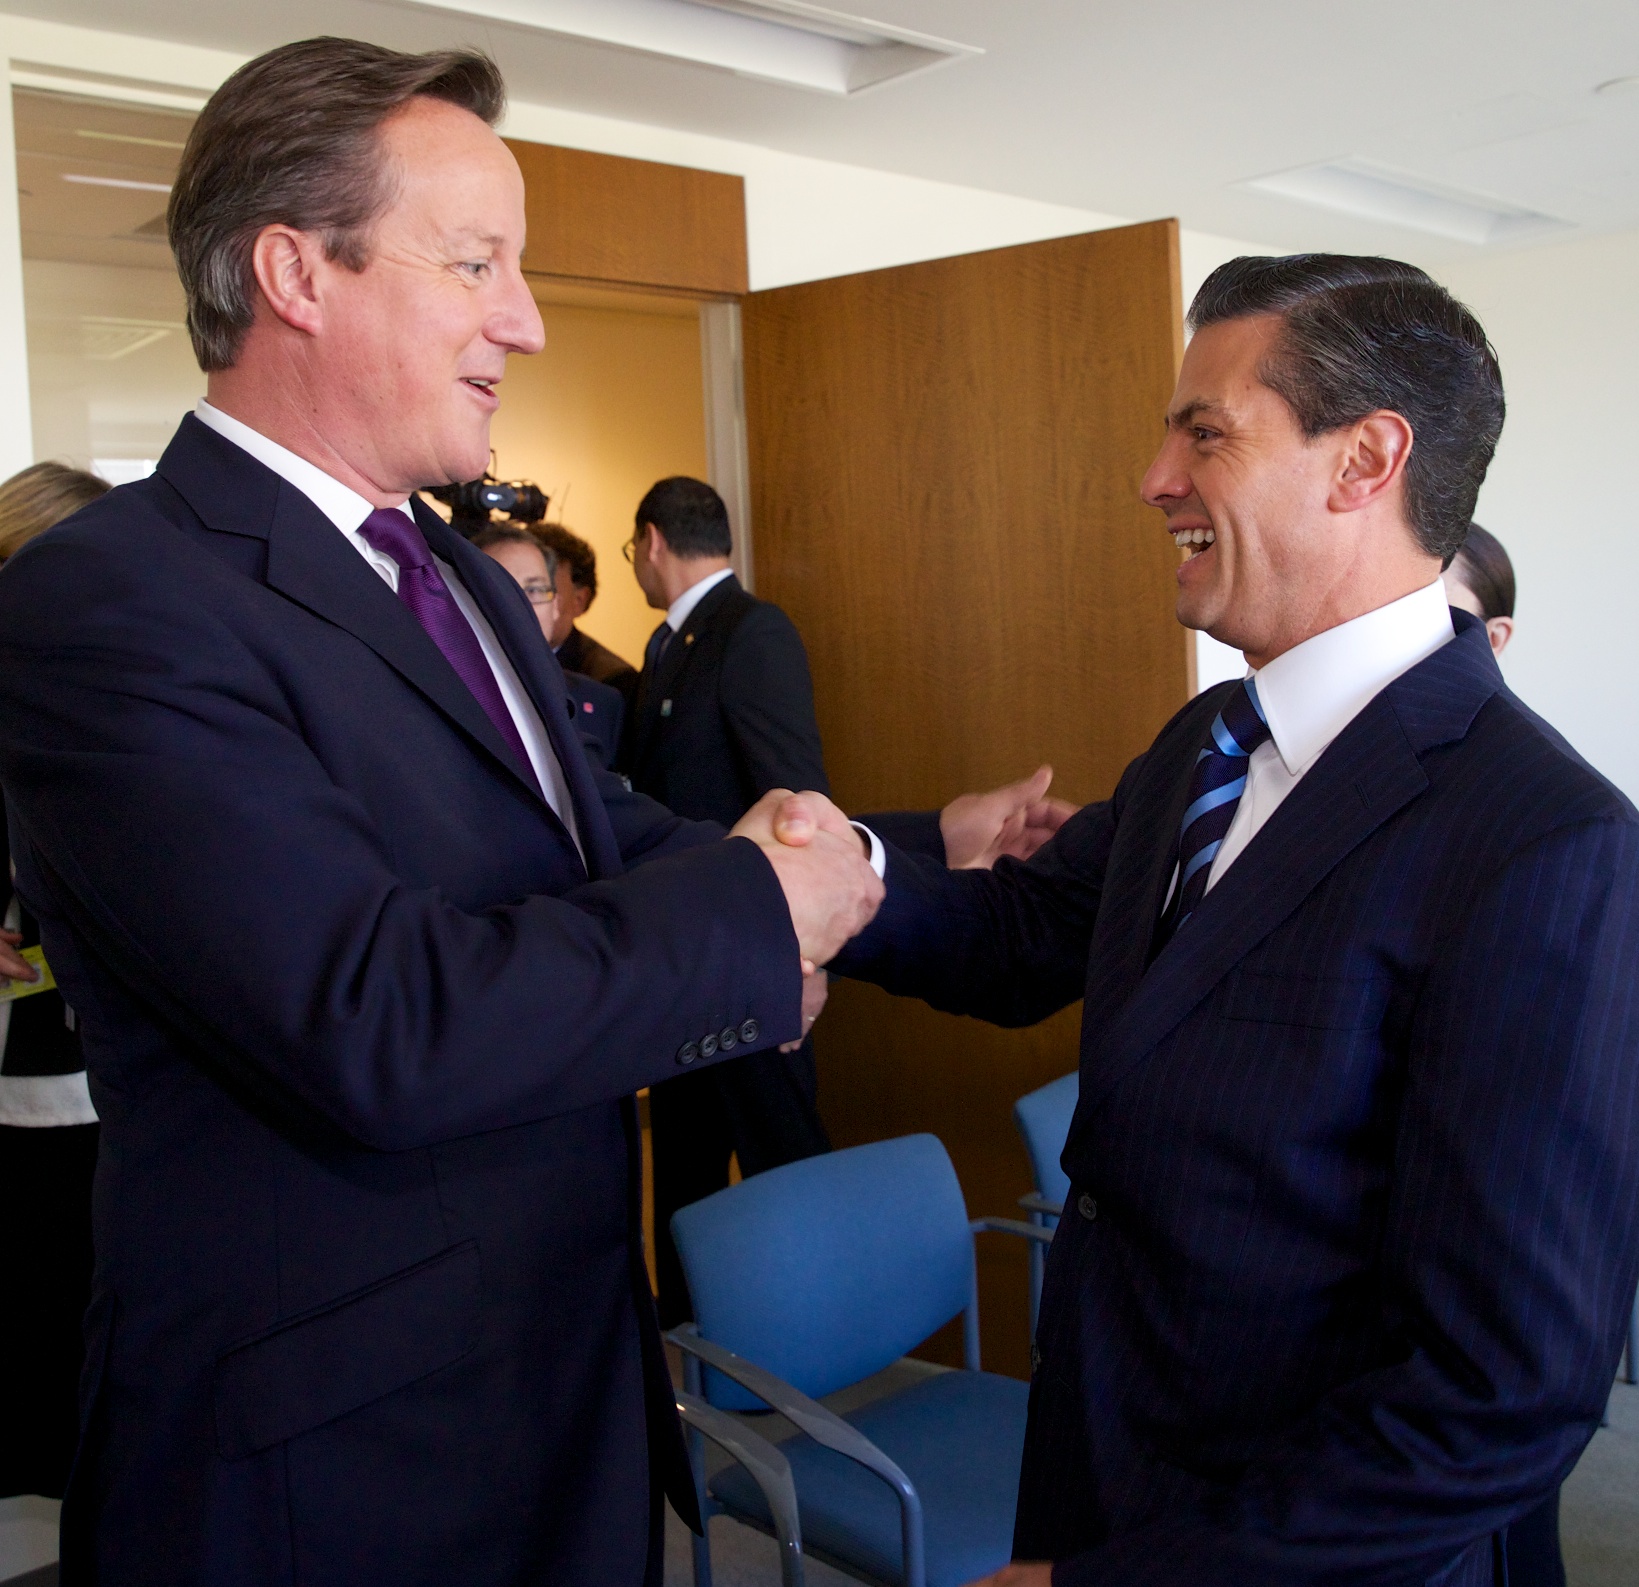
point(1126, 108)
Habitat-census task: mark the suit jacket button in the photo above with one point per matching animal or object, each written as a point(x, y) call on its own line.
point(729, 1039)
point(687, 1053)
point(708, 1046)
point(1087, 1207)
point(750, 1031)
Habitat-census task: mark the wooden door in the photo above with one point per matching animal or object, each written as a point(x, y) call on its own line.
point(945, 462)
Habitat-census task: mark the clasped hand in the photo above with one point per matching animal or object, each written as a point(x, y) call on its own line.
point(822, 867)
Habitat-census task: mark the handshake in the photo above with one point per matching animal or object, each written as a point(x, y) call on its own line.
point(823, 863)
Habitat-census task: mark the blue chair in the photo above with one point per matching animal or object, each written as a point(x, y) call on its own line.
point(1043, 1118)
point(806, 1280)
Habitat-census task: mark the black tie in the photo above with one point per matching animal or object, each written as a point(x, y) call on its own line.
point(658, 641)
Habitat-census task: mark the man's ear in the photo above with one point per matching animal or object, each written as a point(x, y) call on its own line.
point(656, 540)
point(1373, 461)
point(286, 263)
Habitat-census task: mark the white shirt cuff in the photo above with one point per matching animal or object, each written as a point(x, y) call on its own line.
point(879, 855)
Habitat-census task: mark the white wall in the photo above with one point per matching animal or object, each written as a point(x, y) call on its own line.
point(1560, 496)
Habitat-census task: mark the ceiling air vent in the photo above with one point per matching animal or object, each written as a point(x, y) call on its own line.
point(777, 41)
point(1378, 192)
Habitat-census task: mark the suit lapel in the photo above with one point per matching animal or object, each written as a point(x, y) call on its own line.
point(519, 635)
point(1137, 891)
point(311, 563)
point(1372, 771)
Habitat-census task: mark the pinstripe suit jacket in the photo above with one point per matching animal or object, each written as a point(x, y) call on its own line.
point(1356, 1163)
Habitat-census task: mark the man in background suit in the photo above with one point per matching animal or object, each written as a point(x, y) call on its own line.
point(725, 712)
point(368, 959)
point(1351, 1241)
point(596, 709)
point(576, 581)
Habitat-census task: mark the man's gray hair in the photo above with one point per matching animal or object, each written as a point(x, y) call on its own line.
point(292, 139)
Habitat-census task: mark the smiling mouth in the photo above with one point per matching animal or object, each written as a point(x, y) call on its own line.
point(1194, 541)
point(486, 386)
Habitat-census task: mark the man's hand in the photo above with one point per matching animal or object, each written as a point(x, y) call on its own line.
point(829, 885)
point(1031, 1575)
point(13, 965)
point(816, 987)
point(979, 829)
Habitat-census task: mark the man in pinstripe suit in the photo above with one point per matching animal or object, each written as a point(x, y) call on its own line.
point(1344, 1270)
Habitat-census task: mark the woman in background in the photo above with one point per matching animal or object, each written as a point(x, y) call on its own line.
point(1481, 580)
point(48, 1129)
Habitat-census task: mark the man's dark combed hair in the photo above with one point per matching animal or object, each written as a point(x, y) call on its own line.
point(690, 514)
point(1362, 334)
point(291, 139)
point(569, 548)
point(1483, 567)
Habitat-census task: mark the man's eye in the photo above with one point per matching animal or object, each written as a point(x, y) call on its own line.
point(477, 267)
point(1202, 433)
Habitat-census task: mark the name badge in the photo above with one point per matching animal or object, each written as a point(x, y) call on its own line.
point(10, 991)
point(665, 708)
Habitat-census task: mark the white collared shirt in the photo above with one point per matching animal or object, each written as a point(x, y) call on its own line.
point(678, 612)
point(1313, 691)
point(347, 510)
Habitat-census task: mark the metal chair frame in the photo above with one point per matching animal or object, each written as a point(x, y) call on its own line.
point(824, 1426)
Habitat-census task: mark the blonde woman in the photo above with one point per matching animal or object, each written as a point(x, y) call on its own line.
point(48, 1128)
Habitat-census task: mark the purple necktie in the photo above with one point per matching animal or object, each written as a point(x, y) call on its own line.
point(424, 591)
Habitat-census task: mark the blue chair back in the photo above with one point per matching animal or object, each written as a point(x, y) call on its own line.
point(829, 1269)
point(1043, 1118)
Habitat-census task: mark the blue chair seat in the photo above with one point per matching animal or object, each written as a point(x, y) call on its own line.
point(958, 1436)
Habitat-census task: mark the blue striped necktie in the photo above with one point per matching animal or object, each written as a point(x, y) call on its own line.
point(1215, 788)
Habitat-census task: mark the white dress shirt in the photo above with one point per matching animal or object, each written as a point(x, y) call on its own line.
point(347, 510)
point(1313, 691)
point(678, 612)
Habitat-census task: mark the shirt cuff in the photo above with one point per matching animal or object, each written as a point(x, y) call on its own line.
point(879, 855)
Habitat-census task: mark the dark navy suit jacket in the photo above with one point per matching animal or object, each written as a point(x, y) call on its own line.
point(728, 711)
point(1351, 1243)
point(598, 712)
point(370, 1301)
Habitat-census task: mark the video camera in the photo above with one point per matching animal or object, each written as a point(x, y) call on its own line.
point(472, 503)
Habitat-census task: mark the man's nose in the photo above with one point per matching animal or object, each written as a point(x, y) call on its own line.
point(516, 324)
point(1166, 479)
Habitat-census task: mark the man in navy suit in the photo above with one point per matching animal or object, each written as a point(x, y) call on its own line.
point(368, 959)
point(1346, 1264)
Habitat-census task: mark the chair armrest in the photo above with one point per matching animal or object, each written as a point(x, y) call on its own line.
point(769, 1469)
point(1035, 1202)
point(1025, 1231)
point(823, 1426)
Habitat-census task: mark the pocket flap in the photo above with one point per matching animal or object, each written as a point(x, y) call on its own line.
point(312, 1369)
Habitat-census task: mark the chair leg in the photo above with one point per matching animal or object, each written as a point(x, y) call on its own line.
point(1630, 1357)
point(700, 1547)
point(699, 1543)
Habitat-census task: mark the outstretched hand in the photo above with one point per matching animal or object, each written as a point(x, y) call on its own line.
point(980, 828)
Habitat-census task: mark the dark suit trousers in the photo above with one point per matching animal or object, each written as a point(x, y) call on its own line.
point(45, 1187)
point(761, 1109)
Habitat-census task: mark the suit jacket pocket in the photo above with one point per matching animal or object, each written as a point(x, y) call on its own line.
point(311, 1369)
point(1319, 1002)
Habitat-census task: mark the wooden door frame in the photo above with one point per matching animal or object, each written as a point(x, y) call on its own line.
point(619, 224)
